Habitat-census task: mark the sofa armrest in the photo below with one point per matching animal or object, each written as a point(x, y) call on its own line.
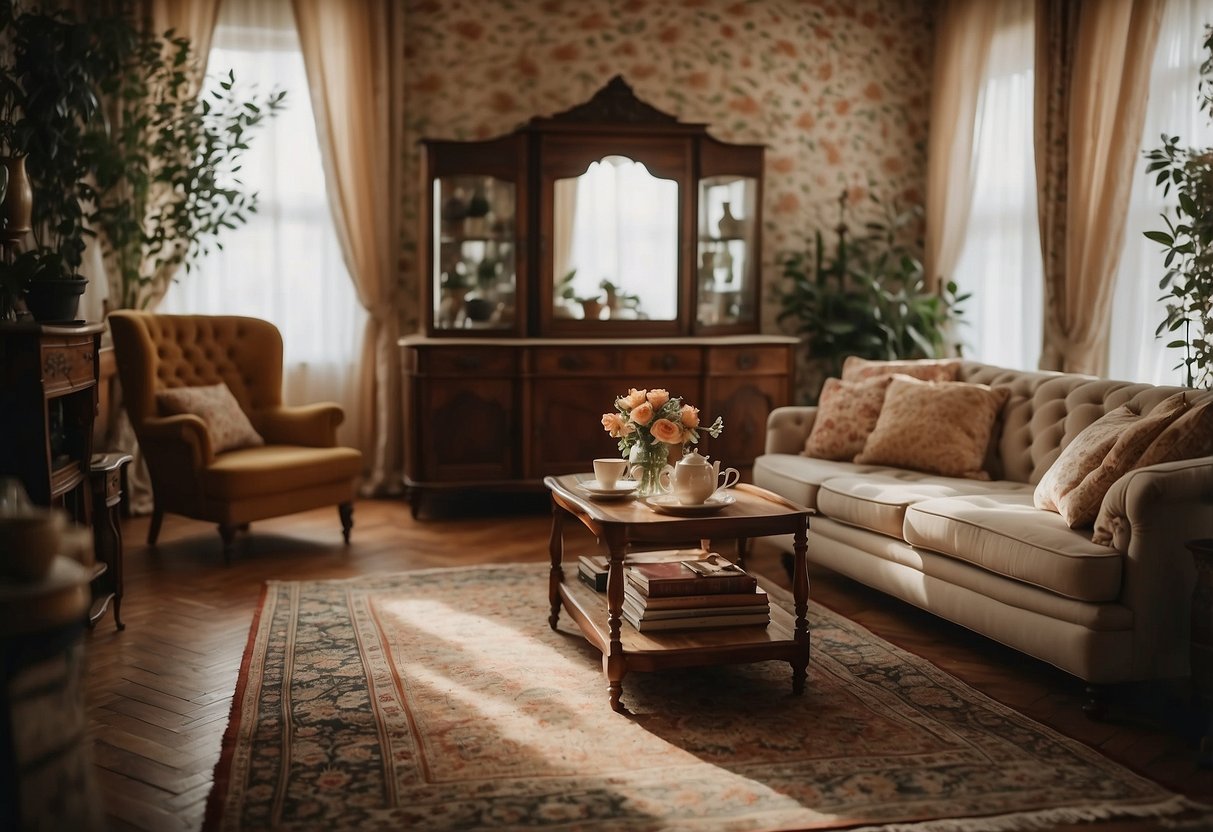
point(1153, 512)
point(788, 428)
point(180, 442)
point(313, 425)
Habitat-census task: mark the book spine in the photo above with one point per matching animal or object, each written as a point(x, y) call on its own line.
point(725, 599)
point(597, 582)
point(697, 586)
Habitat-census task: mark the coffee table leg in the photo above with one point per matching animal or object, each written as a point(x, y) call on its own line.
point(613, 663)
point(800, 595)
point(556, 552)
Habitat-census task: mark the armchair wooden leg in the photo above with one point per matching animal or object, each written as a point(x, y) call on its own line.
point(228, 533)
point(346, 510)
point(153, 529)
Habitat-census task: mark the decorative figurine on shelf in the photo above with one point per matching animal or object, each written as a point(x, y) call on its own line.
point(476, 223)
point(456, 207)
point(729, 225)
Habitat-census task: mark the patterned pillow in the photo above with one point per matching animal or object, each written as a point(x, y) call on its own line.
point(846, 413)
point(226, 423)
point(857, 369)
point(942, 427)
point(1188, 437)
point(1076, 482)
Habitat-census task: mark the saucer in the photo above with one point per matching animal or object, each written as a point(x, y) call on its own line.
point(668, 504)
point(622, 488)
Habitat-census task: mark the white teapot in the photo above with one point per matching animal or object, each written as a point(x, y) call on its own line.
point(695, 479)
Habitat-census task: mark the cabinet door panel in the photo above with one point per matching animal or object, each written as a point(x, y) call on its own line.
point(566, 430)
point(744, 403)
point(470, 432)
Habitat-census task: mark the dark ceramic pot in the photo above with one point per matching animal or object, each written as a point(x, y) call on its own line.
point(1202, 640)
point(54, 299)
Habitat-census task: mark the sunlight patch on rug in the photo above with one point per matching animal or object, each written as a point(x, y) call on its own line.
point(440, 699)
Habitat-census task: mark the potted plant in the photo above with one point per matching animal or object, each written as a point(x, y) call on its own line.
point(1188, 242)
point(47, 99)
point(868, 297)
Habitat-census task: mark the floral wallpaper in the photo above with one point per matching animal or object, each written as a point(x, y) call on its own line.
point(837, 90)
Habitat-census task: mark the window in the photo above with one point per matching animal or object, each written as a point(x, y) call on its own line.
point(286, 264)
point(1133, 352)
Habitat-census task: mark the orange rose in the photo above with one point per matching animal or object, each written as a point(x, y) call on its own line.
point(666, 431)
point(632, 399)
point(689, 416)
point(657, 397)
point(613, 424)
point(642, 413)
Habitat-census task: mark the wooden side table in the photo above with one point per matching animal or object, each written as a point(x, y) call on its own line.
point(105, 476)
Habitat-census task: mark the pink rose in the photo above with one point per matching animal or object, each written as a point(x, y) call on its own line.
point(690, 416)
point(666, 431)
point(642, 413)
point(632, 400)
point(657, 397)
point(612, 423)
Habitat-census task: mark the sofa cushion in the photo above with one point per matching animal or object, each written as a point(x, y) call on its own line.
point(1007, 535)
point(1075, 485)
point(255, 472)
point(878, 502)
point(858, 369)
point(940, 427)
point(227, 425)
point(846, 413)
point(799, 477)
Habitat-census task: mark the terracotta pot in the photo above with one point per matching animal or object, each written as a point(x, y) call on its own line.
point(18, 206)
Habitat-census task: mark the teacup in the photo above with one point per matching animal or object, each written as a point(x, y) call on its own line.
point(608, 470)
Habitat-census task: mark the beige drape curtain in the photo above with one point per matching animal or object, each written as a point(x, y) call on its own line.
point(963, 34)
point(192, 19)
point(353, 75)
point(1092, 77)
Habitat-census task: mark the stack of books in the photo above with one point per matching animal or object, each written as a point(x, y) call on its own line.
point(696, 591)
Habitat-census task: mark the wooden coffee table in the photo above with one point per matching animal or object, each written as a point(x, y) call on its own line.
point(623, 524)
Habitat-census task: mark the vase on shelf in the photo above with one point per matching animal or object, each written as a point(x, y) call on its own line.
point(729, 226)
point(649, 466)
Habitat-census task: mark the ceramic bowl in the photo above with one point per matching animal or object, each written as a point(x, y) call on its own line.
point(29, 542)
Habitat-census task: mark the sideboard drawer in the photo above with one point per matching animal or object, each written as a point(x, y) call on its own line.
point(758, 360)
point(461, 361)
point(646, 362)
point(572, 361)
point(67, 364)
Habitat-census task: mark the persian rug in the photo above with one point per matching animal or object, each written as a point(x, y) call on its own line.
point(441, 700)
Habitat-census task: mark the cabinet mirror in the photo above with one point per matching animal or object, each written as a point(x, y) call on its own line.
point(615, 244)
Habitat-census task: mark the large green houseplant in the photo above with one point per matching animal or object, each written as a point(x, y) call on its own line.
point(1188, 242)
point(866, 295)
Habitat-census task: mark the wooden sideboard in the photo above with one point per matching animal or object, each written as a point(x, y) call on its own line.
point(506, 412)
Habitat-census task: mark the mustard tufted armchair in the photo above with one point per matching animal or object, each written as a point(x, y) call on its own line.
point(299, 467)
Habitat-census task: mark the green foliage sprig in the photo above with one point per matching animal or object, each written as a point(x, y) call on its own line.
point(1188, 241)
point(867, 296)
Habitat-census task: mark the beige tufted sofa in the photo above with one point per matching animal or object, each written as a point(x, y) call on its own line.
point(979, 554)
point(299, 467)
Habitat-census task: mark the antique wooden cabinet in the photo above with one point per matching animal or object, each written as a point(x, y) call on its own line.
point(607, 247)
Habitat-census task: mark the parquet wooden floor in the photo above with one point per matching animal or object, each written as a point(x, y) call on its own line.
point(159, 692)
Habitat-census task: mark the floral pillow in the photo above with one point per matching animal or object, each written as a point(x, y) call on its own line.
point(846, 413)
point(1188, 437)
point(942, 427)
point(1076, 482)
point(857, 369)
point(226, 423)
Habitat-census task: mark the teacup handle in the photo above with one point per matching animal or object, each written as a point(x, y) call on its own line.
point(728, 483)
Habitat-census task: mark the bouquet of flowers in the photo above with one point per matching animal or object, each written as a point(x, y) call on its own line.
point(652, 417)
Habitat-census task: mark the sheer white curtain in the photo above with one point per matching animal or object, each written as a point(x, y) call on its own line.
point(1133, 352)
point(285, 265)
point(1000, 260)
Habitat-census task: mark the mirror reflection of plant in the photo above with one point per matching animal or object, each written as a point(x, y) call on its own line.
point(167, 174)
point(1188, 241)
point(868, 295)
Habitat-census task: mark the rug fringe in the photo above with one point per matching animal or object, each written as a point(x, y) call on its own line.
point(1047, 818)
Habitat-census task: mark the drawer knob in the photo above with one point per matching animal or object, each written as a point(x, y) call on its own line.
point(571, 362)
point(745, 361)
point(467, 362)
point(667, 362)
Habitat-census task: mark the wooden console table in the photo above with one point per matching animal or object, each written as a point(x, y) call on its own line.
point(756, 513)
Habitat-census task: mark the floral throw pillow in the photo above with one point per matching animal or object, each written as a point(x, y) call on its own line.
point(226, 423)
point(846, 413)
point(1076, 482)
point(857, 369)
point(1188, 437)
point(942, 427)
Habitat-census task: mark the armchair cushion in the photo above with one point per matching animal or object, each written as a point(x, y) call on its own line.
point(226, 423)
point(251, 472)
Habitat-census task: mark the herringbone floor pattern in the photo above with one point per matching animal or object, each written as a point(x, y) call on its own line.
point(159, 692)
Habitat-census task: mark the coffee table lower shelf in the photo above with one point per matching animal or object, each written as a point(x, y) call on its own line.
point(685, 648)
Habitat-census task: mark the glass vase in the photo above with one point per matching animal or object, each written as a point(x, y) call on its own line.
point(648, 465)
